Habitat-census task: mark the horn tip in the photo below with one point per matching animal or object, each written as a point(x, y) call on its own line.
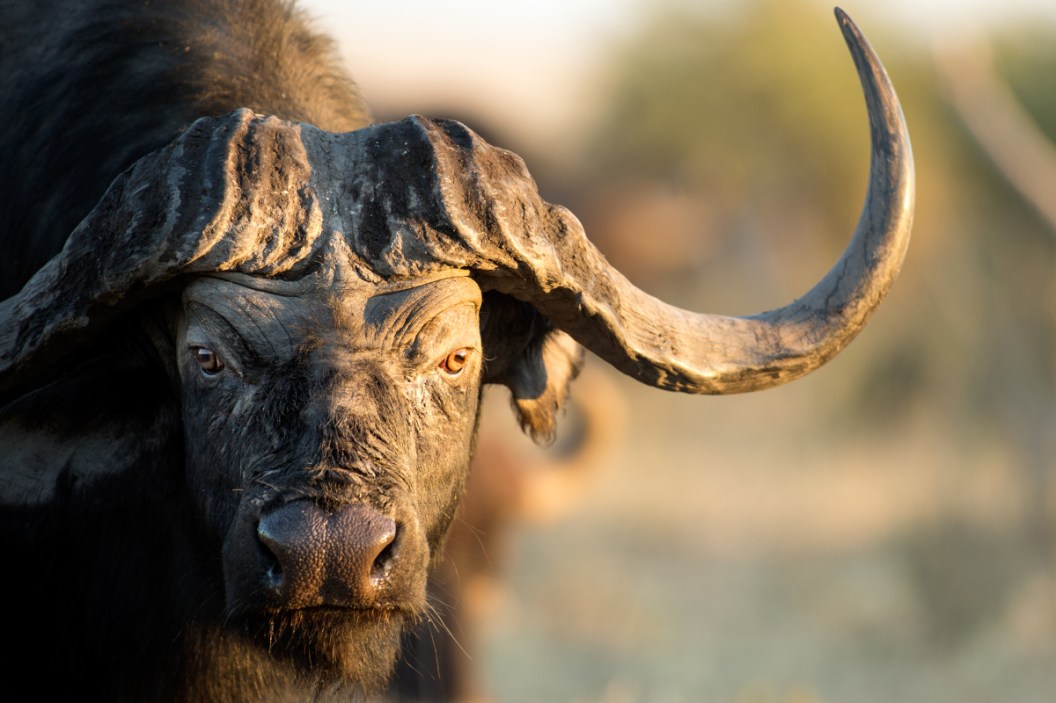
point(847, 26)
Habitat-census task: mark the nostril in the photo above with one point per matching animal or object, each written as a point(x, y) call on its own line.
point(363, 548)
point(382, 565)
point(273, 576)
point(290, 536)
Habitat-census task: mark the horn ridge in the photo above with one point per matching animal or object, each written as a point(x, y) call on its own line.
point(202, 204)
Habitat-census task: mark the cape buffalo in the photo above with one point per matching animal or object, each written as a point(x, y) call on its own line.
point(244, 335)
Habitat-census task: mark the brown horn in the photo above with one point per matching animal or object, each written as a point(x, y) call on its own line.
point(543, 256)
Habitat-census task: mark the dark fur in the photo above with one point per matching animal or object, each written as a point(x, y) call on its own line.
point(118, 587)
point(88, 86)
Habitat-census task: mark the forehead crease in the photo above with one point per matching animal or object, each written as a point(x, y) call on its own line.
point(399, 316)
point(255, 315)
point(230, 298)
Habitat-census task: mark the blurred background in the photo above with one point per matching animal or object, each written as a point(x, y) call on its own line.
point(883, 529)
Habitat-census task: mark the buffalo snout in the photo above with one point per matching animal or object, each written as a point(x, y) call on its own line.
point(321, 558)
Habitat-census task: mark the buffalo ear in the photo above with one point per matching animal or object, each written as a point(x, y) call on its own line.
point(90, 420)
point(532, 358)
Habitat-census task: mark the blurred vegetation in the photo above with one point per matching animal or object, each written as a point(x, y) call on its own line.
point(748, 107)
point(724, 170)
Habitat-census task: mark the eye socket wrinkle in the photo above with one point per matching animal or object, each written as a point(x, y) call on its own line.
point(247, 347)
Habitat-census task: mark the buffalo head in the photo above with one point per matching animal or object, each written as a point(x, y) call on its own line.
point(262, 354)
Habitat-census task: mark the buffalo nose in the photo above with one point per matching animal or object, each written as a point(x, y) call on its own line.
point(339, 558)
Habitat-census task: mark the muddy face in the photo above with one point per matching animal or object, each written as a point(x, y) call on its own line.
point(328, 437)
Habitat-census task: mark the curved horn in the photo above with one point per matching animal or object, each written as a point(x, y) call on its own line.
point(410, 200)
point(568, 280)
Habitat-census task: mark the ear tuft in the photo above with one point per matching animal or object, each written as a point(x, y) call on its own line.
point(540, 382)
point(532, 358)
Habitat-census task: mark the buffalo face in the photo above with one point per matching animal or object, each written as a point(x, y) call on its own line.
point(327, 436)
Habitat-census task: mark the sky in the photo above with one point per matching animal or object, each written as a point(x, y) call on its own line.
point(528, 63)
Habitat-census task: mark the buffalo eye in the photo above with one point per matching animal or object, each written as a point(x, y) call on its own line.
point(208, 360)
point(454, 362)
